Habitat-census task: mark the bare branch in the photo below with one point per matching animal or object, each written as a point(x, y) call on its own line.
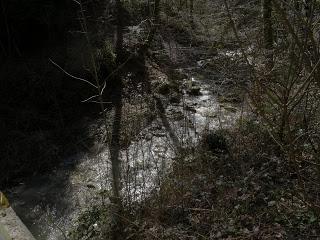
point(100, 102)
point(76, 2)
point(103, 87)
point(70, 75)
point(88, 99)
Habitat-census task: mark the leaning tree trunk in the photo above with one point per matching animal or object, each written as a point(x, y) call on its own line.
point(116, 130)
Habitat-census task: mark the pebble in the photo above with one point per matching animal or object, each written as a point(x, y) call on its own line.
point(271, 203)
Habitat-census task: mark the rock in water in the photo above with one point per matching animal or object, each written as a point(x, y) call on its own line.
point(194, 91)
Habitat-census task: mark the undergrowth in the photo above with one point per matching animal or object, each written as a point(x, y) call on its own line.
point(229, 188)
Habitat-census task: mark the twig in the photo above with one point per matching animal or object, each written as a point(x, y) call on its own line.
point(70, 75)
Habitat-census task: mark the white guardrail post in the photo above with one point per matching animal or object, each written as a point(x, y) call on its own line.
point(11, 227)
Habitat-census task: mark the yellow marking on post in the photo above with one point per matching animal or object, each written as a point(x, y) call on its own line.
point(4, 203)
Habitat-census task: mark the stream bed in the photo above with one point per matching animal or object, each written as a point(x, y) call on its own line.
point(50, 204)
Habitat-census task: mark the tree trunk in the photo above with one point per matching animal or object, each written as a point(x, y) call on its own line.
point(191, 8)
point(155, 22)
point(117, 101)
point(142, 52)
point(268, 32)
point(9, 48)
point(116, 130)
point(119, 31)
point(308, 9)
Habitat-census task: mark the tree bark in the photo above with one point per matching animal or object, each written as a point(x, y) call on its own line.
point(115, 144)
point(191, 8)
point(119, 31)
point(268, 31)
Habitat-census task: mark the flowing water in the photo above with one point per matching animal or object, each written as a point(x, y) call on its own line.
point(50, 204)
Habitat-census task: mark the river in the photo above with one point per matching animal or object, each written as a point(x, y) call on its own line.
point(50, 204)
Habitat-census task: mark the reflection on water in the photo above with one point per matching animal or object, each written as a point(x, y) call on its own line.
point(50, 204)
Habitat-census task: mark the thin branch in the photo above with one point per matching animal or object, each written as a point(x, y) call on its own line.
point(72, 76)
point(119, 67)
point(88, 99)
point(103, 87)
point(305, 84)
point(76, 2)
point(100, 102)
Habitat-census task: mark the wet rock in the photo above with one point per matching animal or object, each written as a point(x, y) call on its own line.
point(271, 203)
point(174, 99)
point(194, 91)
point(90, 185)
point(194, 83)
point(218, 235)
point(213, 51)
point(178, 116)
point(190, 109)
point(230, 109)
point(164, 89)
point(159, 134)
point(230, 98)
